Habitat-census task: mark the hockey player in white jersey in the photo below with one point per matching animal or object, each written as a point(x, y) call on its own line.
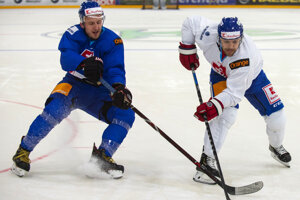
point(236, 72)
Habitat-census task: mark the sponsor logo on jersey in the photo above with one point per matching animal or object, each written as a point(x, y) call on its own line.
point(87, 53)
point(118, 41)
point(271, 94)
point(239, 63)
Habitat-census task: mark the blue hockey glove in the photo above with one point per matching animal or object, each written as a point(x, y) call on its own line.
point(122, 97)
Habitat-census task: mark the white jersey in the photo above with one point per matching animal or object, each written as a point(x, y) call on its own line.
point(240, 69)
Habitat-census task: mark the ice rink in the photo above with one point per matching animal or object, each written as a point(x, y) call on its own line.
point(163, 90)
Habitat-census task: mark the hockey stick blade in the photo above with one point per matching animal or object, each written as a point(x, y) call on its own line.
point(240, 190)
point(247, 189)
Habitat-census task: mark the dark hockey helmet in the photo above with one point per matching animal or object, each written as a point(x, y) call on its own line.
point(230, 28)
point(91, 9)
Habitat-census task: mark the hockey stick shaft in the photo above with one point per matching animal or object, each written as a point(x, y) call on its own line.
point(178, 147)
point(209, 134)
point(148, 121)
point(254, 187)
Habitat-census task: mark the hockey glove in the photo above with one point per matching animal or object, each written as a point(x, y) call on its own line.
point(188, 56)
point(92, 68)
point(210, 109)
point(122, 97)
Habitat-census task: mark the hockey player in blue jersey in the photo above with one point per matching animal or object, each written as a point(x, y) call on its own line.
point(88, 51)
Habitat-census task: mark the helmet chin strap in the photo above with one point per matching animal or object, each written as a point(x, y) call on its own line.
point(221, 51)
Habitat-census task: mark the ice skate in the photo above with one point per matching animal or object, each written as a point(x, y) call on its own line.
point(21, 163)
point(106, 163)
point(209, 163)
point(281, 155)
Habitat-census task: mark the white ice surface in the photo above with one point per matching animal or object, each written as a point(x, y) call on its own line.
point(163, 90)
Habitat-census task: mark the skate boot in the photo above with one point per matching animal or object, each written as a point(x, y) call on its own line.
point(209, 164)
point(21, 163)
point(281, 155)
point(106, 163)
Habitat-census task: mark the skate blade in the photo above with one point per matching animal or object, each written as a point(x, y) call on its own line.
point(201, 177)
point(115, 174)
point(95, 169)
point(17, 171)
point(286, 164)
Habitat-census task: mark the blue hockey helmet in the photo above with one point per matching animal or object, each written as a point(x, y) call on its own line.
point(230, 28)
point(90, 9)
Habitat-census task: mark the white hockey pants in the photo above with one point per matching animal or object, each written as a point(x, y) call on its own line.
point(275, 126)
point(219, 128)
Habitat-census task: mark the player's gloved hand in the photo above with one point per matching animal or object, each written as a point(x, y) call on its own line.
point(210, 109)
point(188, 56)
point(92, 68)
point(122, 97)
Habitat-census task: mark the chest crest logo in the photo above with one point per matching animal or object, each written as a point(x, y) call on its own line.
point(220, 69)
point(87, 53)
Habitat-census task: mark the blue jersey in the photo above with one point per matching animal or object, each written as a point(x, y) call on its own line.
point(75, 46)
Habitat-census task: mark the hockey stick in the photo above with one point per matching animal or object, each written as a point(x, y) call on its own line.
point(209, 133)
point(247, 189)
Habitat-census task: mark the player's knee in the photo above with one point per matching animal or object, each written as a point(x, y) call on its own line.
point(127, 116)
point(228, 116)
point(276, 121)
point(124, 118)
point(56, 110)
point(49, 99)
